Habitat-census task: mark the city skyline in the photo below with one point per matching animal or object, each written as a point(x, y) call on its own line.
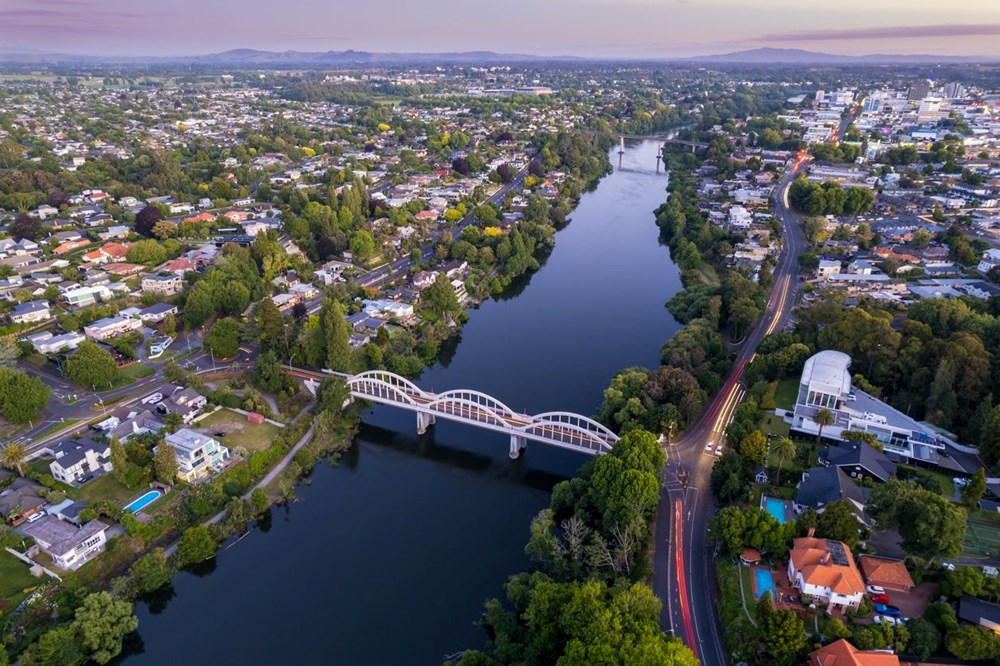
point(590, 28)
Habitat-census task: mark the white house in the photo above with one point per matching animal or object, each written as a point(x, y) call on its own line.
point(739, 218)
point(46, 343)
point(197, 455)
point(30, 312)
point(110, 327)
point(825, 570)
point(989, 260)
point(75, 459)
point(68, 546)
point(827, 268)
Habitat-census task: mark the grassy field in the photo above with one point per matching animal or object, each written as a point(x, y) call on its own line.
point(57, 426)
point(239, 431)
point(14, 577)
point(106, 487)
point(982, 536)
point(773, 425)
point(787, 392)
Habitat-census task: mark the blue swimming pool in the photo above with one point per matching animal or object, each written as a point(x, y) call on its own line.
point(764, 583)
point(139, 503)
point(776, 508)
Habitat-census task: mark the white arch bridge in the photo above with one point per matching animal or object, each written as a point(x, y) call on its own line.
point(563, 429)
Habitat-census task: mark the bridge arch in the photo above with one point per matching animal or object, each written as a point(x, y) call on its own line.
point(480, 398)
point(581, 422)
point(391, 378)
point(467, 409)
point(370, 387)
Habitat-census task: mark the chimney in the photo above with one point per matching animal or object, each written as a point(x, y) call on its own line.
point(811, 533)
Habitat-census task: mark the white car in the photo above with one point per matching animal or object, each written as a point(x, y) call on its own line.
point(152, 399)
point(876, 589)
point(885, 619)
point(36, 516)
point(708, 447)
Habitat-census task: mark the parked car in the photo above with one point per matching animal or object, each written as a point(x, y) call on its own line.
point(876, 589)
point(881, 599)
point(36, 516)
point(885, 619)
point(149, 399)
point(884, 609)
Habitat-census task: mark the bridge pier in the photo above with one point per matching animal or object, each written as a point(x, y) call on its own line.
point(424, 421)
point(517, 444)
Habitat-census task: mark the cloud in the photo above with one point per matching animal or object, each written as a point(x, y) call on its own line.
point(890, 32)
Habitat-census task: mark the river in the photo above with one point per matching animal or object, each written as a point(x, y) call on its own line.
point(388, 557)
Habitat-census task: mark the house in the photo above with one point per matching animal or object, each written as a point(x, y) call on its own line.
point(979, 613)
point(75, 459)
point(68, 546)
point(989, 260)
point(860, 460)
point(136, 424)
point(110, 327)
point(842, 653)
point(165, 285)
point(760, 476)
point(197, 455)
point(20, 500)
point(827, 268)
point(890, 574)
point(46, 343)
point(821, 485)
point(84, 296)
point(185, 402)
point(825, 569)
point(30, 312)
point(157, 312)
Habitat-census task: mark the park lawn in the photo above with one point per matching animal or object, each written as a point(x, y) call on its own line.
point(106, 487)
point(239, 431)
point(14, 576)
point(786, 393)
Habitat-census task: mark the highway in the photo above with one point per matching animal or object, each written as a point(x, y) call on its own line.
point(682, 577)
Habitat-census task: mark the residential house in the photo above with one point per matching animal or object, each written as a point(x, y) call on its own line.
point(979, 613)
point(185, 402)
point(68, 546)
point(46, 343)
point(75, 459)
point(111, 327)
point(889, 574)
point(66, 248)
point(860, 460)
point(30, 312)
point(825, 570)
point(197, 455)
point(81, 297)
point(157, 312)
point(842, 653)
point(821, 485)
point(827, 268)
point(20, 500)
point(165, 285)
point(136, 424)
point(989, 260)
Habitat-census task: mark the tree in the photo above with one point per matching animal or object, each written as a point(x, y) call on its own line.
point(102, 623)
point(753, 447)
point(92, 365)
point(151, 571)
point(13, 456)
point(21, 397)
point(925, 639)
point(270, 327)
point(337, 334)
point(223, 339)
point(146, 219)
point(782, 449)
point(363, 245)
point(931, 526)
point(57, 647)
point(9, 353)
point(823, 417)
point(165, 463)
point(839, 522)
point(974, 489)
point(196, 545)
point(25, 226)
point(119, 460)
point(439, 301)
point(267, 373)
point(782, 633)
point(972, 643)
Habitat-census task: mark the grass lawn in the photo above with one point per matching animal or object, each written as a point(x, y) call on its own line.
point(138, 371)
point(239, 431)
point(982, 536)
point(747, 588)
point(106, 487)
point(55, 427)
point(786, 393)
point(773, 425)
point(14, 576)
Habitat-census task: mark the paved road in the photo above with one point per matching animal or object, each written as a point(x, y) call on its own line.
point(682, 576)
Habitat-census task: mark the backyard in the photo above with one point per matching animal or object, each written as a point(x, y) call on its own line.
point(238, 431)
point(14, 578)
point(982, 536)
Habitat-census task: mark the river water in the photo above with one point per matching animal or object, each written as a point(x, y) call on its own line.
point(388, 557)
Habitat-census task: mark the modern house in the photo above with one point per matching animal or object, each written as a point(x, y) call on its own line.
point(68, 546)
point(890, 574)
point(111, 327)
point(198, 455)
point(136, 424)
point(165, 285)
point(825, 569)
point(860, 460)
point(46, 343)
point(84, 296)
point(842, 653)
point(826, 384)
point(30, 312)
point(75, 459)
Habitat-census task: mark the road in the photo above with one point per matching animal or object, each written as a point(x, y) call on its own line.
point(681, 572)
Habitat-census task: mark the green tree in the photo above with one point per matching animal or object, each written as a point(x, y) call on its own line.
point(91, 365)
point(267, 373)
point(439, 301)
point(165, 463)
point(925, 639)
point(196, 545)
point(102, 622)
point(223, 339)
point(22, 397)
point(782, 633)
point(271, 328)
point(151, 571)
point(363, 245)
point(973, 491)
point(973, 643)
point(753, 447)
point(13, 456)
point(119, 461)
point(839, 522)
point(931, 526)
point(148, 252)
point(9, 353)
point(782, 449)
point(57, 647)
point(823, 417)
point(337, 335)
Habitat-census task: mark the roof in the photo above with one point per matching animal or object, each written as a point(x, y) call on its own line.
point(827, 484)
point(188, 440)
point(977, 611)
point(62, 536)
point(70, 452)
point(827, 563)
point(22, 494)
point(159, 308)
point(842, 653)
point(827, 370)
point(879, 570)
point(31, 306)
point(848, 454)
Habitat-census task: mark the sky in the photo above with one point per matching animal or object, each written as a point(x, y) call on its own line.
point(595, 28)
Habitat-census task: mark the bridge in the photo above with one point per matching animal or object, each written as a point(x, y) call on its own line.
point(563, 429)
point(659, 138)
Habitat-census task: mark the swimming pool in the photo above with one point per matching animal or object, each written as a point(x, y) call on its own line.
point(776, 508)
point(764, 583)
point(139, 503)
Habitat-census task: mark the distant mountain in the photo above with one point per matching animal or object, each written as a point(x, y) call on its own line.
point(769, 55)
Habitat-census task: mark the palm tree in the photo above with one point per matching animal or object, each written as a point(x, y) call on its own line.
point(782, 449)
point(13, 456)
point(823, 417)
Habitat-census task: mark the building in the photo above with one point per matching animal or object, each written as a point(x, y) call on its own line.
point(860, 460)
point(111, 327)
point(822, 485)
point(46, 343)
point(842, 653)
point(84, 296)
point(185, 402)
point(164, 285)
point(68, 546)
point(827, 268)
point(157, 312)
point(979, 613)
point(30, 312)
point(989, 260)
point(889, 574)
point(76, 459)
point(826, 384)
point(20, 500)
point(136, 424)
point(825, 569)
point(198, 455)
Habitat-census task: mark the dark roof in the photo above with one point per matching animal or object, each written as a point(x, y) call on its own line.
point(851, 454)
point(158, 308)
point(973, 610)
point(827, 484)
point(75, 450)
point(22, 494)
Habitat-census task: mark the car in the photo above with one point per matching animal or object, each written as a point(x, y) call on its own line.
point(884, 609)
point(36, 516)
point(708, 446)
point(876, 589)
point(885, 619)
point(150, 399)
point(880, 598)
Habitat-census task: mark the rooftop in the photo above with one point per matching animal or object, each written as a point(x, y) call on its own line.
point(827, 371)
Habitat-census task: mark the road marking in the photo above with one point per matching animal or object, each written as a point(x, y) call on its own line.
point(681, 580)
